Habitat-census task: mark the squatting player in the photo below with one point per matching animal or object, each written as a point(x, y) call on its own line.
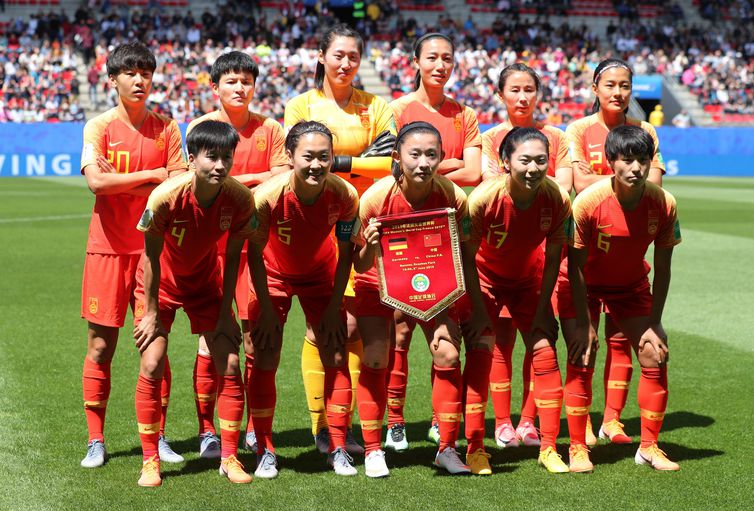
point(434, 57)
point(260, 154)
point(511, 216)
point(612, 86)
point(128, 151)
point(615, 221)
point(297, 211)
point(182, 223)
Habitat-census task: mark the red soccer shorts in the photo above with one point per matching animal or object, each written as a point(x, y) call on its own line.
point(367, 303)
point(200, 301)
point(107, 288)
point(620, 303)
point(520, 303)
point(313, 297)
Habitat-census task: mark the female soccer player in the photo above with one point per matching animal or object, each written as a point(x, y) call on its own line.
point(586, 138)
point(260, 154)
point(615, 222)
point(296, 212)
point(518, 87)
point(184, 219)
point(434, 59)
point(414, 186)
point(364, 135)
point(511, 216)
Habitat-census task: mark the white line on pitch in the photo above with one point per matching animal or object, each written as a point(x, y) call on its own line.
point(41, 218)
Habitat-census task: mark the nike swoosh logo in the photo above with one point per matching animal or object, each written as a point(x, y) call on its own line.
point(281, 222)
point(604, 226)
point(317, 398)
point(180, 221)
point(592, 146)
point(497, 225)
point(113, 144)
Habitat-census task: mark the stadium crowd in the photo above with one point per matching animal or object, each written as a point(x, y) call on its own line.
point(715, 63)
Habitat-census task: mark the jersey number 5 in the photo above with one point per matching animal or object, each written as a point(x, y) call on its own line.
point(284, 235)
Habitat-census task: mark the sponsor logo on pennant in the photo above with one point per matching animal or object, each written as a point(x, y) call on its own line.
point(226, 217)
point(545, 219)
point(420, 282)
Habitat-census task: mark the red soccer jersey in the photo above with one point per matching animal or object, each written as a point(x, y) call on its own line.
point(189, 257)
point(456, 123)
point(385, 198)
point(261, 145)
point(156, 144)
point(616, 239)
point(493, 138)
point(586, 142)
point(297, 236)
point(510, 239)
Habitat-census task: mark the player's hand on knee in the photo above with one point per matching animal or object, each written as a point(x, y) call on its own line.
point(656, 339)
point(332, 330)
point(266, 331)
point(228, 327)
point(446, 330)
point(149, 328)
point(584, 345)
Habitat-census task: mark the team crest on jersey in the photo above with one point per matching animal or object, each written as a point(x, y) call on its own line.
point(457, 125)
point(365, 118)
point(261, 142)
point(139, 309)
point(159, 142)
point(93, 305)
point(545, 219)
point(333, 213)
point(226, 217)
point(653, 220)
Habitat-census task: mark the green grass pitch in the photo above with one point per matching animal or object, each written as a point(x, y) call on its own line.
point(708, 427)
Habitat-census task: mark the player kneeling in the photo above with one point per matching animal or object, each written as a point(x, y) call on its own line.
point(511, 216)
point(293, 254)
point(184, 219)
point(615, 220)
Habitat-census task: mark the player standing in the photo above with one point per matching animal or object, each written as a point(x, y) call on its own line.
point(128, 151)
point(611, 85)
point(615, 222)
point(182, 223)
point(414, 186)
point(434, 57)
point(518, 87)
point(260, 154)
point(363, 129)
point(511, 217)
point(297, 211)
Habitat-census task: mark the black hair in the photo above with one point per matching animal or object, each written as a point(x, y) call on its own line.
point(212, 136)
point(302, 128)
point(629, 141)
point(601, 68)
point(233, 62)
point(339, 30)
point(419, 43)
point(130, 56)
point(412, 127)
point(518, 136)
point(518, 67)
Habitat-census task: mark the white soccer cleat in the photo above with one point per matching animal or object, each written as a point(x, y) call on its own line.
point(374, 464)
point(209, 446)
point(95, 455)
point(396, 438)
point(341, 462)
point(450, 461)
point(267, 465)
point(505, 436)
point(167, 454)
point(250, 441)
